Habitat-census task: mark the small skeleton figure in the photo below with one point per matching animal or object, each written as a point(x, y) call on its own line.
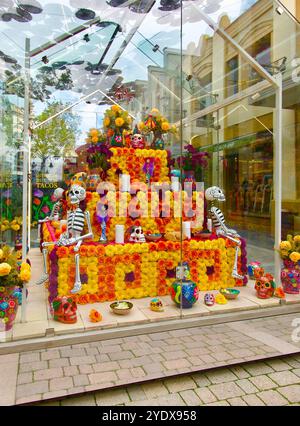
point(137, 141)
point(76, 218)
point(136, 235)
point(216, 194)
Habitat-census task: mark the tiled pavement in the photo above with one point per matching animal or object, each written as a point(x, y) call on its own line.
point(59, 372)
point(272, 383)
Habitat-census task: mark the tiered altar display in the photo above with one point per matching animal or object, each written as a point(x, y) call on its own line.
point(130, 270)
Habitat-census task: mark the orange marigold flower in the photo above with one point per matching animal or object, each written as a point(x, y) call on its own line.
point(100, 251)
point(92, 251)
point(95, 316)
point(161, 245)
point(62, 252)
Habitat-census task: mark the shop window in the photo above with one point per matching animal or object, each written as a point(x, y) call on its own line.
point(261, 52)
point(232, 76)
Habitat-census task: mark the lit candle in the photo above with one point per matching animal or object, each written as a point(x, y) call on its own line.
point(209, 225)
point(175, 183)
point(125, 183)
point(119, 234)
point(187, 229)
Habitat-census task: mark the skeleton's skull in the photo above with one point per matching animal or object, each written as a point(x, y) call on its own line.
point(137, 141)
point(58, 194)
point(76, 194)
point(64, 310)
point(214, 194)
point(137, 235)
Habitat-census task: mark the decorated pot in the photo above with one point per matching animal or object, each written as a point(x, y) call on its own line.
point(92, 182)
point(290, 277)
point(8, 307)
point(190, 293)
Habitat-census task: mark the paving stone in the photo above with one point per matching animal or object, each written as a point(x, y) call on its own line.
point(221, 376)
point(51, 354)
point(116, 356)
point(84, 400)
point(110, 349)
point(222, 356)
point(24, 378)
point(190, 397)
point(201, 379)
point(226, 390)
point(205, 395)
point(32, 366)
point(178, 384)
point(173, 400)
point(83, 360)
point(29, 357)
point(236, 401)
point(253, 400)
point(102, 358)
point(85, 369)
point(61, 383)
point(155, 367)
point(240, 372)
point(284, 378)
point(55, 394)
point(28, 399)
point(107, 376)
point(61, 362)
point(148, 403)
point(136, 393)
point(112, 397)
point(72, 352)
point(71, 370)
point(106, 366)
point(219, 403)
point(174, 355)
point(246, 386)
point(176, 364)
point(278, 364)
point(49, 373)
point(293, 362)
point(81, 380)
point(154, 389)
point(258, 368)
point(32, 389)
point(291, 393)
point(272, 397)
point(241, 353)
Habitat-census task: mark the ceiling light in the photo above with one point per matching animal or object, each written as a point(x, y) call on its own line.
point(142, 6)
point(85, 14)
point(86, 38)
point(45, 60)
point(279, 10)
point(31, 6)
point(169, 4)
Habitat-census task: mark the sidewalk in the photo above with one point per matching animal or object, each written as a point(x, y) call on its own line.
point(69, 370)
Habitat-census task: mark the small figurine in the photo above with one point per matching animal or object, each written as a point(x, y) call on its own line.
point(251, 267)
point(216, 194)
point(209, 299)
point(156, 305)
point(103, 218)
point(265, 286)
point(137, 140)
point(148, 169)
point(64, 310)
point(136, 234)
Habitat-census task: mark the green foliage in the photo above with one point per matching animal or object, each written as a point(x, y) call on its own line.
point(58, 135)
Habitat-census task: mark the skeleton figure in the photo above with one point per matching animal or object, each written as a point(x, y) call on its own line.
point(136, 235)
point(216, 194)
point(76, 219)
point(56, 211)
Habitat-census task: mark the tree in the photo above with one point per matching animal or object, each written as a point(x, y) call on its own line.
point(57, 136)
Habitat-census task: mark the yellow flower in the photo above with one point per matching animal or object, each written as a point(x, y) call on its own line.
point(25, 275)
point(165, 126)
point(106, 122)
point(285, 245)
point(15, 227)
point(95, 139)
point(25, 266)
point(1, 253)
point(94, 133)
point(295, 257)
point(297, 238)
point(115, 108)
point(5, 269)
point(119, 121)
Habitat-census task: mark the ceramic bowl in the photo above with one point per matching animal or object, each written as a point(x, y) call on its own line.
point(153, 237)
point(230, 293)
point(118, 311)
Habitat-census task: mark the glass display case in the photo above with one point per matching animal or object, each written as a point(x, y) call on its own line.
point(115, 120)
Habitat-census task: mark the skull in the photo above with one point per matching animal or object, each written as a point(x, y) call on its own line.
point(137, 141)
point(265, 286)
point(156, 305)
point(76, 194)
point(214, 194)
point(137, 235)
point(58, 194)
point(209, 299)
point(64, 310)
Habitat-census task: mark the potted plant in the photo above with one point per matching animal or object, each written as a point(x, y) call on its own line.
point(98, 155)
point(12, 274)
point(156, 123)
point(290, 273)
point(116, 123)
point(193, 162)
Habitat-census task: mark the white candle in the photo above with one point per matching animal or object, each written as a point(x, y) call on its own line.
point(125, 183)
point(119, 234)
point(175, 183)
point(187, 229)
point(209, 225)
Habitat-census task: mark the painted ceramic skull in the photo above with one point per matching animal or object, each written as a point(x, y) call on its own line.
point(137, 235)
point(64, 310)
point(137, 141)
point(214, 193)
point(76, 194)
point(265, 286)
point(209, 299)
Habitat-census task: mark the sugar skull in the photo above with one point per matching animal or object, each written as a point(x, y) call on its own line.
point(209, 299)
point(136, 235)
point(137, 141)
point(265, 286)
point(251, 268)
point(64, 310)
point(156, 305)
point(76, 194)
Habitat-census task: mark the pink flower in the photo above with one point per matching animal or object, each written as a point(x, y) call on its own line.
point(45, 209)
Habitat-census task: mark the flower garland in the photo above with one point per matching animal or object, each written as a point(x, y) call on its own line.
point(290, 249)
